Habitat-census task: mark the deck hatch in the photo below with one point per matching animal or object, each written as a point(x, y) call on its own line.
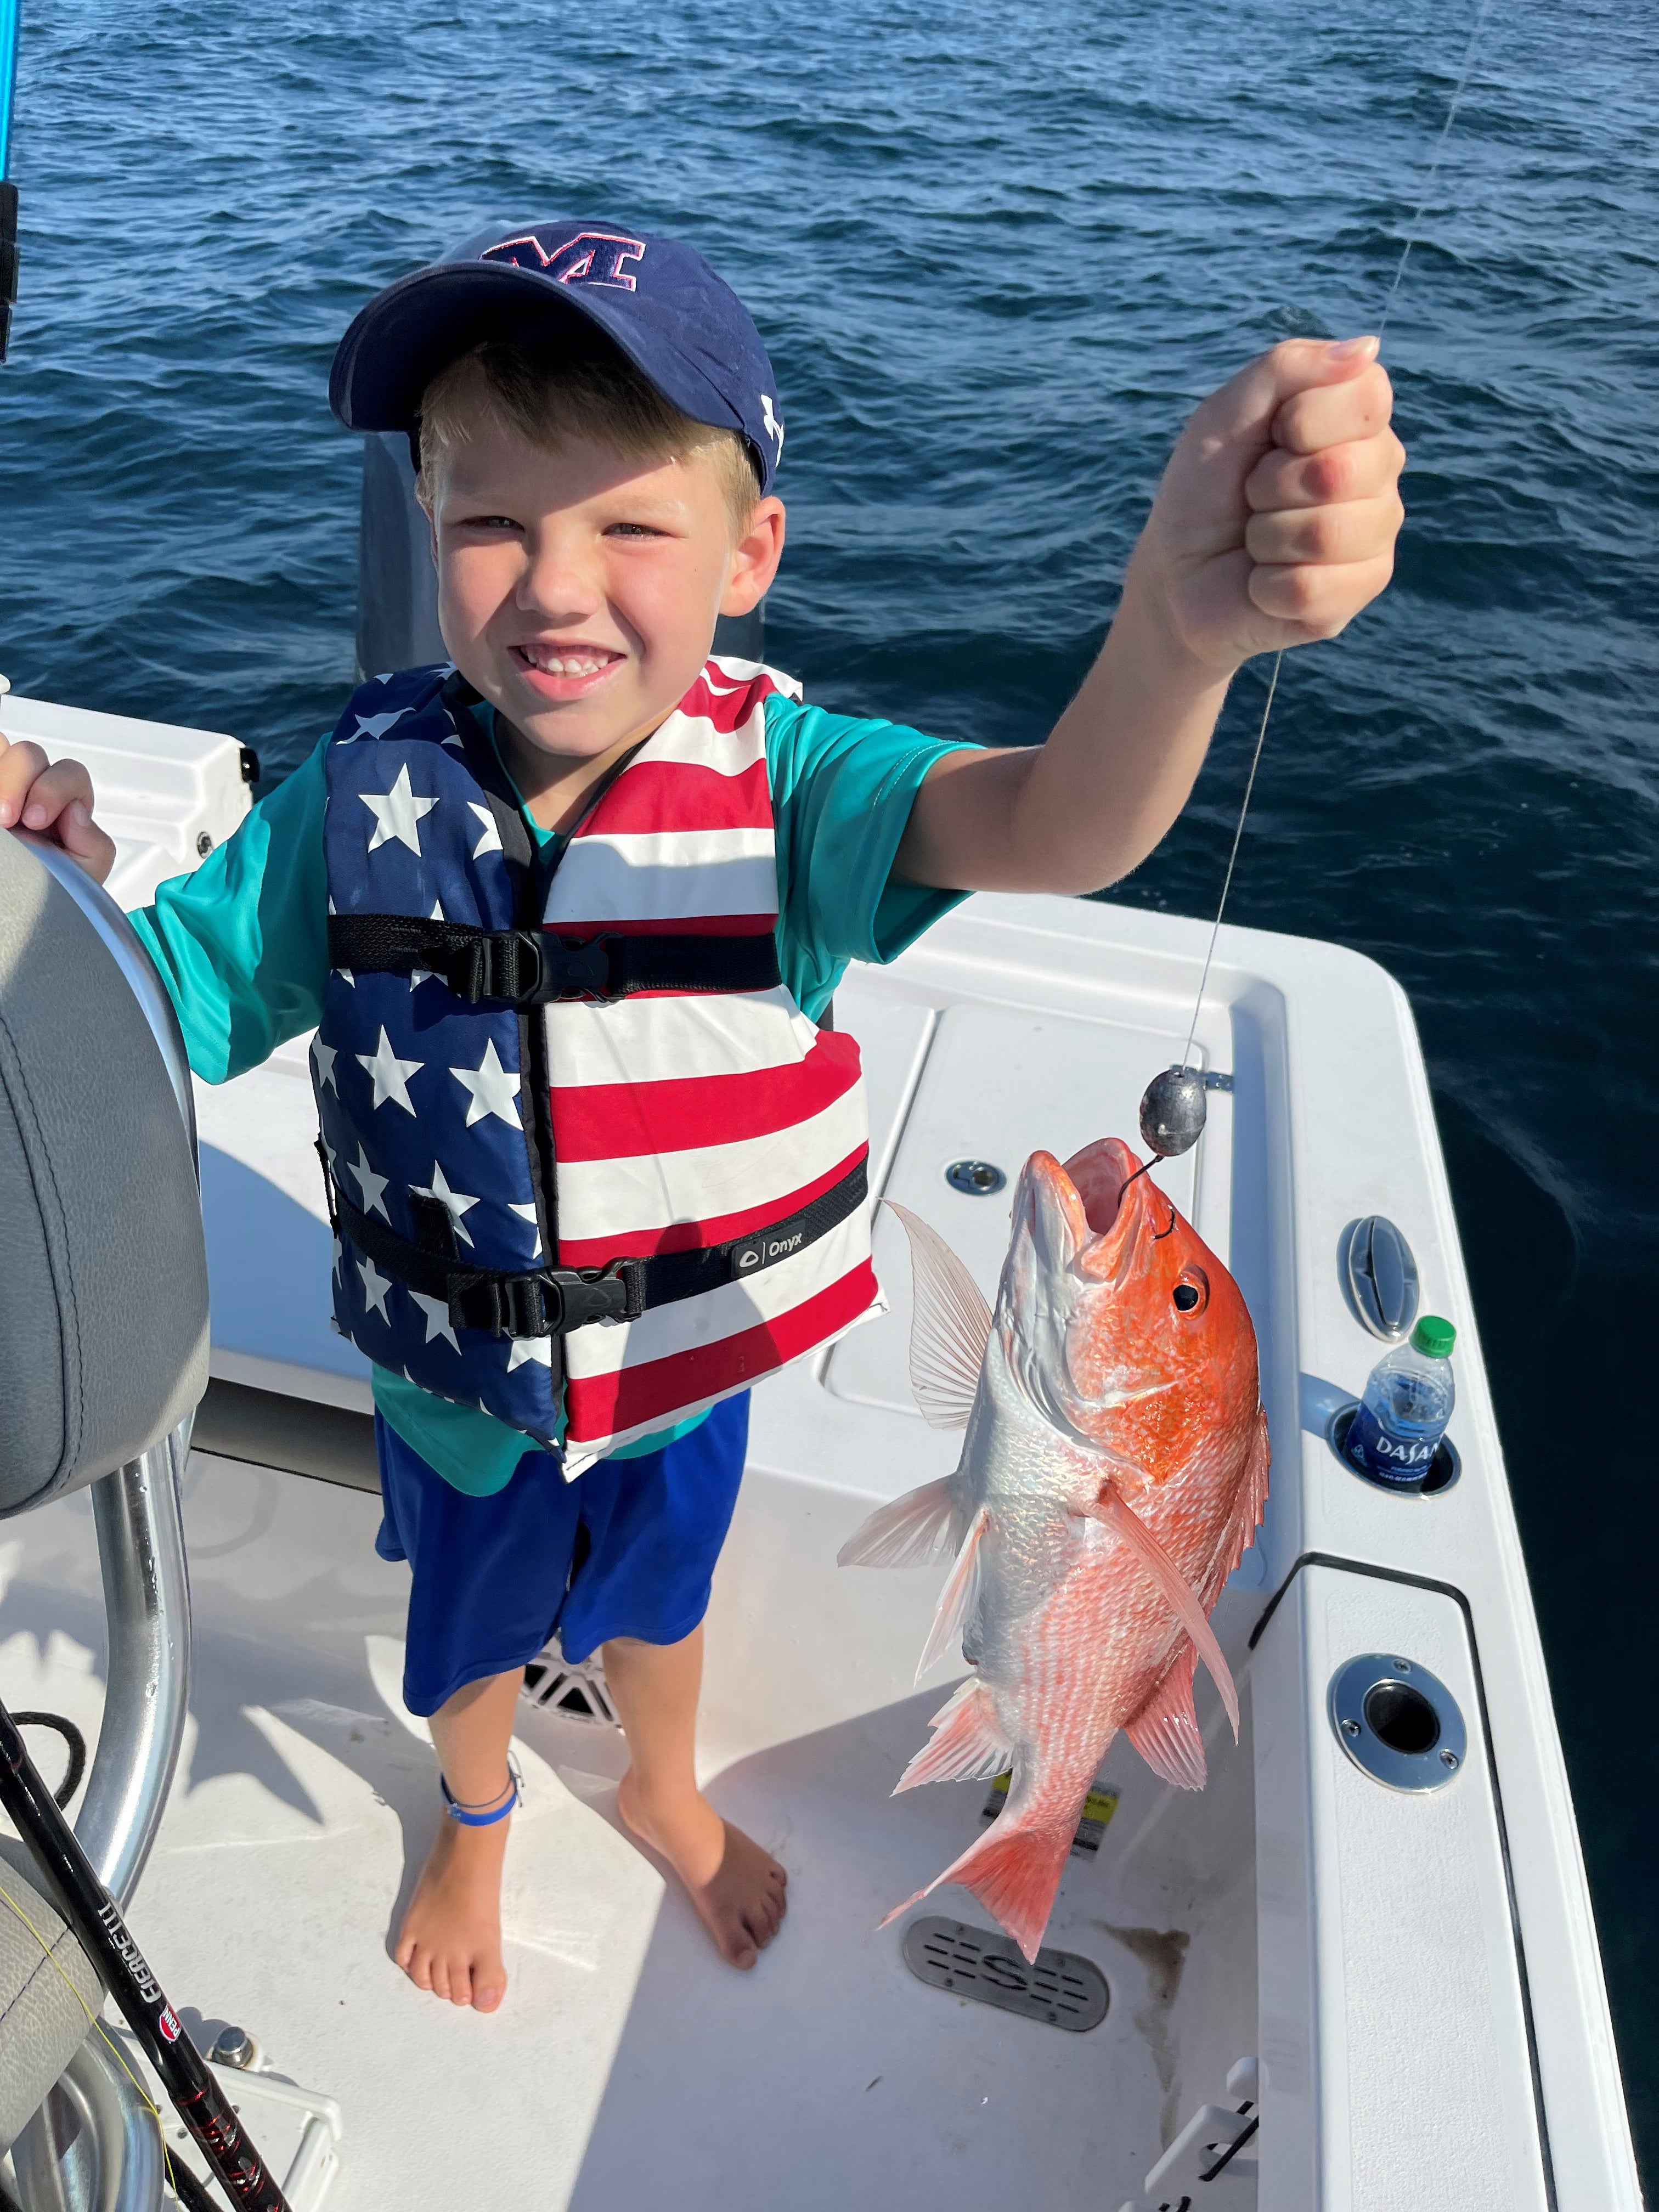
point(1062, 1988)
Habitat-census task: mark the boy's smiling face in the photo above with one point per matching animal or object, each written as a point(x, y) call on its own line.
point(578, 588)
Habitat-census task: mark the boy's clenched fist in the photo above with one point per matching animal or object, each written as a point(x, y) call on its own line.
point(1276, 520)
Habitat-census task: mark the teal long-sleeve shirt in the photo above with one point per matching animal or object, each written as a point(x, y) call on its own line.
point(242, 947)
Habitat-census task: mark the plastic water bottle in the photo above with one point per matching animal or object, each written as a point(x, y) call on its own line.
point(1408, 1400)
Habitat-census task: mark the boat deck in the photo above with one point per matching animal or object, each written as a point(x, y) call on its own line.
point(1417, 1974)
point(629, 2062)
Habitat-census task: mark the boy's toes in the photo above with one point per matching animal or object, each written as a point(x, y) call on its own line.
point(488, 1987)
point(460, 1982)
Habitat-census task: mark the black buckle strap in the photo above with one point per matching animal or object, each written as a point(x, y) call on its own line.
point(555, 1300)
point(550, 1303)
point(529, 968)
point(537, 967)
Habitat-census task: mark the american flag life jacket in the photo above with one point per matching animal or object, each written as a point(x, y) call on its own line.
point(590, 1167)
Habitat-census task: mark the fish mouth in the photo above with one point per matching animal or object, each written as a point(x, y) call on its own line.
point(1119, 1200)
point(1099, 1173)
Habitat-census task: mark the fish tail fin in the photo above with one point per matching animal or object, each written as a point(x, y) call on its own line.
point(1014, 1870)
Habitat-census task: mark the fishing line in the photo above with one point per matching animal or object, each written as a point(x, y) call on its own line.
point(1416, 223)
point(1414, 230)
point(1232, 857)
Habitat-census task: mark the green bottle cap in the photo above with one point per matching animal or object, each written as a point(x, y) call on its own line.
point(1434, 1336)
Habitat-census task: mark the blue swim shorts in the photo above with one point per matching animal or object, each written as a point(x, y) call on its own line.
point(628, 1549)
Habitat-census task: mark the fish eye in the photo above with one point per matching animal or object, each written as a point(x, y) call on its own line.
point(1191, 1292)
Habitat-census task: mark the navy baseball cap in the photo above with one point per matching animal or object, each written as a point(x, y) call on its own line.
point(659, 303)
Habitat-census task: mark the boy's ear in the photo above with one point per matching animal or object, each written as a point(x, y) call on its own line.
point(754, 559)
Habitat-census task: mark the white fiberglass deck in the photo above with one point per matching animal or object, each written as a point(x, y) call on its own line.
point(1418, 1976)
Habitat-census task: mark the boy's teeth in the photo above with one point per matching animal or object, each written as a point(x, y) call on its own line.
point(569, 663)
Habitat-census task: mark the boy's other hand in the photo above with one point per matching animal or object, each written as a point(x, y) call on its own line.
point(54, 799)
point(1276, 520)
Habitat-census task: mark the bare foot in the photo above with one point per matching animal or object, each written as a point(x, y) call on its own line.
point(736, 1887)
point(450, 1939)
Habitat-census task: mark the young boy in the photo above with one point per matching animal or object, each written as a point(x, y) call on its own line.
point(563, 918)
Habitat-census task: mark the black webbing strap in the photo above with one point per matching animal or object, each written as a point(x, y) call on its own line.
point(534, 967)
point(555, 1300)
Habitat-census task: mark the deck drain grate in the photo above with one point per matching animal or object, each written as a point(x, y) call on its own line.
point(575, 1690)
point(1062, 1988)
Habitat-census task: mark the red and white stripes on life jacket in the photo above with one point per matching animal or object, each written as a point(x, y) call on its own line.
point(685, 1120)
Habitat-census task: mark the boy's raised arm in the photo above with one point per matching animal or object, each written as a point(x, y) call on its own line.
point(1274, 526)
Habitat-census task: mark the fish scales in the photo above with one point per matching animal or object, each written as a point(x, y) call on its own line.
point(1114, 1468)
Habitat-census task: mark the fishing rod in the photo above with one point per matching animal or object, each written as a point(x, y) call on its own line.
point(9, 28)
point(94, 1916)
point(1174, 1105)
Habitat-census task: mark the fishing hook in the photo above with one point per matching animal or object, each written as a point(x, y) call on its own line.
point(1159, 1235)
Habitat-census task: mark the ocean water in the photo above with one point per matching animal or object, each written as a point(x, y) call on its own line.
point(997, 253)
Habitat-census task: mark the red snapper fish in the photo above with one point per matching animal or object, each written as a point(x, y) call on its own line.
point(1113, 1471)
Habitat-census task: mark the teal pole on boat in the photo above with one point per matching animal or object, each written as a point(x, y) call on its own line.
point(9, 26)
point(9, 18)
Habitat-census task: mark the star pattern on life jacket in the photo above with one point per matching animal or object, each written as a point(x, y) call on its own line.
point(371, 1186)
point(523, 1348)
point(490, 841)
point(457, 1201)
point(389, 1074)
point(436, 1311)
point(397, 814)
point(375, 1286)
point(495, 1088)
point(374, 726)
point(527, 1213)
point(323, 1054)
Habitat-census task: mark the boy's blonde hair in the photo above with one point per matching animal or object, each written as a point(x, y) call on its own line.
point(556, 393)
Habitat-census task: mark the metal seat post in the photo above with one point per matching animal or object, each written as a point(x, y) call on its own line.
point(140, 1554)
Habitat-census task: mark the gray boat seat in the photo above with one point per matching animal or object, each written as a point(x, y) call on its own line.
point(103, 1318)
point(103, 1273)
point(49, 1991)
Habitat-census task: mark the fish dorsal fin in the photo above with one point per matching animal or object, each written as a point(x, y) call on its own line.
point(958, 1597)
point(909, 1532)
point(969, 1743)
point(1183, 1601)
point(1165, 1729)
point(950, 1327)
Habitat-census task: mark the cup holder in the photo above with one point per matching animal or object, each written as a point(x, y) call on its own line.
point(1444, 1468)
point(1398, 1722)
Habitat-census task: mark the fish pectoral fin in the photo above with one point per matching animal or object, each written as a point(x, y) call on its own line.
point(950, 1327)
point(907, 1532)
point(1118, 1514)
point(1252, 1493)
point(1165, 1729)
point(969, 1744)
point(958, 1597)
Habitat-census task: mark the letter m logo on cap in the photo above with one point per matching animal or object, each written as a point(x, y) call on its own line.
point(593, 257)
